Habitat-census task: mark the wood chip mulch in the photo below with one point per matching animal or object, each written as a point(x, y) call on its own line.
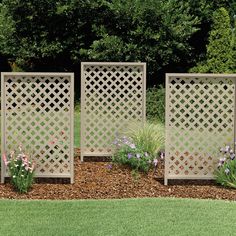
point(95, 180)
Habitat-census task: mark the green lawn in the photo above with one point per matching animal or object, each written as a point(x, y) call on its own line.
point(160, 216)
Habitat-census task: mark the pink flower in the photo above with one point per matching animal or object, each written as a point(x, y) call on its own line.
point(53, 141)
point(4, 157)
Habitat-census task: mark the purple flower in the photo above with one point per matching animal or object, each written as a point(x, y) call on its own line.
point(227, 148)
point(109, 166)
point(222, 160)
point(155, 162)
point(227, 170)
point(129, 155)
point(138, 155)
point(232, 156)
point(115, 142)
point(222, 150)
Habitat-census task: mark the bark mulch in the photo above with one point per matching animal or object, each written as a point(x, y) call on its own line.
point(95, 180)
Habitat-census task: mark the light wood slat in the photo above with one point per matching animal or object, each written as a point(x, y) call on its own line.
point(37, 112)
point(112, 94)
point(200, 119)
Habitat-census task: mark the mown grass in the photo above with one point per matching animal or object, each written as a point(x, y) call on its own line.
point(160, 216)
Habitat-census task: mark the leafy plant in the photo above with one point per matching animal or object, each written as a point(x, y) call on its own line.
point(128, 153)
point(155, 104)
point(140, 149)
point(148, 136)
point(226, 171)
point(21, 169)
point(220, 56)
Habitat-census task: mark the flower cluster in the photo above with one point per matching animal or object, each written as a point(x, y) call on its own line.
point(226, 171)
point(21, 169)
point(228, 155)
point(129, 153)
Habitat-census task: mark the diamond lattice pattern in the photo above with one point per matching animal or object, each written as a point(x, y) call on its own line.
point(200, 120)
point(37, 115)
point(112, 95)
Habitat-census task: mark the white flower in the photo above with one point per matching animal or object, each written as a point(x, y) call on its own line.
point(138, 155)
point(227, 171)
point(132, 146)
point(14, 176)
point(222, 160)
point(155, 161)
point(227, 148)
point(22, 175)
point(162, 155)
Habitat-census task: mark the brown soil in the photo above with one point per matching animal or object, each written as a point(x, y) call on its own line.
point(94, 180)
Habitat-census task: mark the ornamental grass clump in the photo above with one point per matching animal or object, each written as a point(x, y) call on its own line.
point(226, 170)
point(141, 150)
point(21, 169)
point(148, 136)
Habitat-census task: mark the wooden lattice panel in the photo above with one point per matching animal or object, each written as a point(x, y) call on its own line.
point(200, 116)
point(37, 112)
point(112, 94)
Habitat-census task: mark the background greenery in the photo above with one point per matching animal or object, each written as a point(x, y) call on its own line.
point(117, 217)
point(171, 35)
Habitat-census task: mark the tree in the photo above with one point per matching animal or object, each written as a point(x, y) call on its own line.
point(153, 31)
point(68, 31)
point(220, 50)
point(44, 31)
point(57, 35)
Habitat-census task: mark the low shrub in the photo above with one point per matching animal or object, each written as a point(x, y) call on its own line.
point(21, 170)
point(149, 136)
point(226, 170)
point(155, 104)
point(140, 146)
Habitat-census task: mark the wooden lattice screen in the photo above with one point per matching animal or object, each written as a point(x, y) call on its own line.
point(37, 112)
point(200, 118)
point(112, 94)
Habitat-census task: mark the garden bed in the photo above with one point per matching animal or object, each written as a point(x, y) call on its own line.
point(95, 180)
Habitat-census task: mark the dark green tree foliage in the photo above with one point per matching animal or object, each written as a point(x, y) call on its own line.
point(153, 31)
point(221, 48)
point(69, 31)
point(155, 104)
point(165, 34)
point(46, 29)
